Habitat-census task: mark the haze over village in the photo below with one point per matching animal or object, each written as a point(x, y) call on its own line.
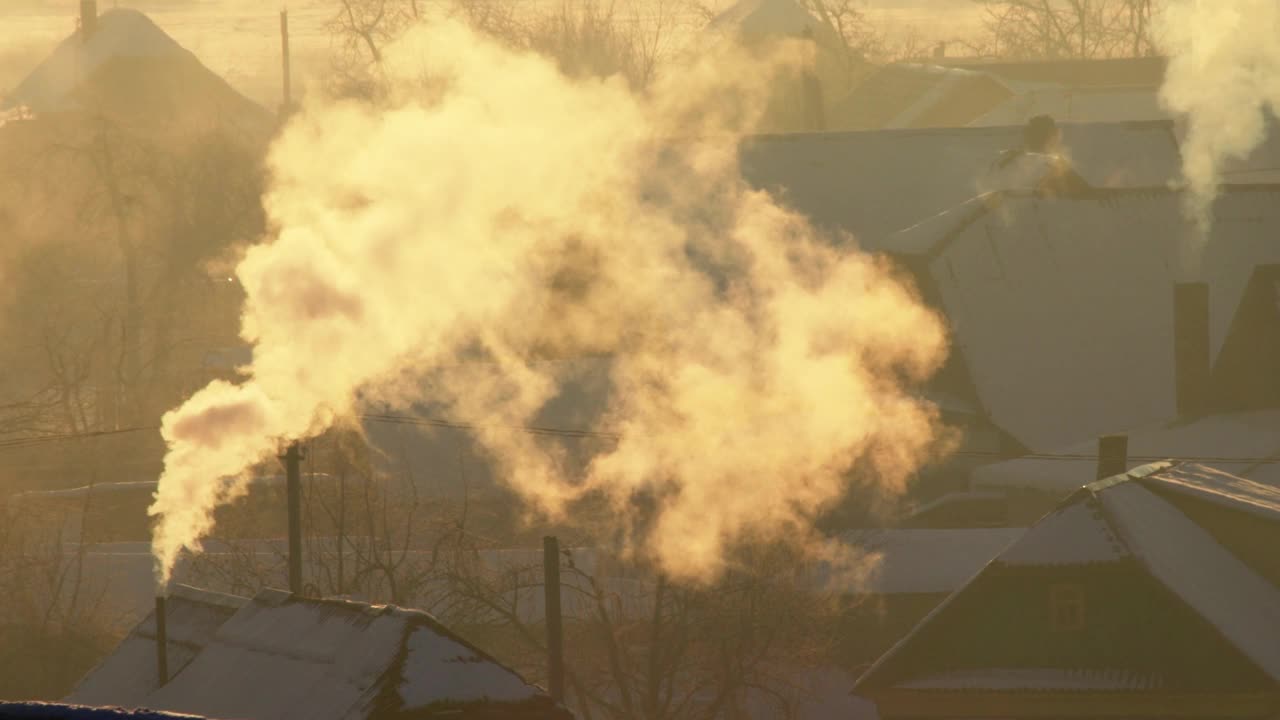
point(652, 360)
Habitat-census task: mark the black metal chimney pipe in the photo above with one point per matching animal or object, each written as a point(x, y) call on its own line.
point(1113, 455)
point(555, 630)
point(293, 487)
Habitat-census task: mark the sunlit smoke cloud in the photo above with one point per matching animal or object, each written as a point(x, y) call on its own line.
point(1224, 78)
point(497, 213)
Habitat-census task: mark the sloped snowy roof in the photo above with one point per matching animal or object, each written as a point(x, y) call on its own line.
point(281, 656)
point(127, 676)
point(914, 560)
point(873, 183)
point(1247, 435)
point(1063, 308)
point(1123, 523)
point(120, 33)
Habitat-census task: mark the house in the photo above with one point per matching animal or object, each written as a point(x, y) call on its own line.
point(1030, 486)
point(1148, 594)
point(1062, 311)
point(121, 65)
point(872, 184)
point(282, 656)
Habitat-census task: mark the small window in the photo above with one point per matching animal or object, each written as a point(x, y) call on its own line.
point(1066, 608)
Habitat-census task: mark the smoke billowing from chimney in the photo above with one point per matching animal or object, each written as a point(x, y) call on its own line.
point(1224, 77)
point(496, 212)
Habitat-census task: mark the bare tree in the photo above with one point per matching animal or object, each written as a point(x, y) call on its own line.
point(1070, 28)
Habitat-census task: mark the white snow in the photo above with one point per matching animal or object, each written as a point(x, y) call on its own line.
point(1074, 535)
point(1243, 606)
point(438, 669)
point(924, 560)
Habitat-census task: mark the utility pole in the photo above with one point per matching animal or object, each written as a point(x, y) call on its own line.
point(287, 107)
point(555, 631)
point(293, 486)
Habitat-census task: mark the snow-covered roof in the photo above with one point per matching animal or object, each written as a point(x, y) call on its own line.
point(281, 656)
point(1063, 308)
point(1240, 603)
point(120, 33)
point(1149, 522)
point(64, 711)
point(911, 560)
point(127, 677)
point(873, 183)
point(1246, 435)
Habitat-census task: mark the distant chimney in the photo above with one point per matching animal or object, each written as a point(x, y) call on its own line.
point(162, 642)
point(88, 19)
point(1191, 347)
point(1113, 455)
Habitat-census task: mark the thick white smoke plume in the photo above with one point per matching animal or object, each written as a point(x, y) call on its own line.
point(498, 213)
point(1224, 78)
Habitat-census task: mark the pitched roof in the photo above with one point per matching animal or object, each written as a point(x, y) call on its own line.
point(927, 561)
point(1063, 308)
point(1247, 435)
point(874, 183)
point(131, 70)
point(1140, 539)
point(283, 656)
point(127, 676)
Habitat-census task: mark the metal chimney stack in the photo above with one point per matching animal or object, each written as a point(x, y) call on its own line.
point(162, 642)
point(1191, 365)
point(88, 19)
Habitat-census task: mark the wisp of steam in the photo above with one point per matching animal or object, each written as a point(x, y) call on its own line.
point(1224, 78)
point(494, 212)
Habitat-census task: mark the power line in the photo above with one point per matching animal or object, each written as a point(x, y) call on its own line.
point(42, 439)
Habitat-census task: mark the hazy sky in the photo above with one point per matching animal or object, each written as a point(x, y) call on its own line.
point(239, 40)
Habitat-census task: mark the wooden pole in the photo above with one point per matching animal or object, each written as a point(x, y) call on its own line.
point(293, 487)
point(1113, 455)
point(284, 62)
point(555, 630)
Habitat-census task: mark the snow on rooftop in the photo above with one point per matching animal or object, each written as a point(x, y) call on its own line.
point(1063, 309)
point(439, 670)
point(875, 183)
point(914, 560)
point(121, 33)
point(1249, 435)
point(1072, 535)
point(279, 656)
point(1183, 556)
point(128, 675)
point(63, 711)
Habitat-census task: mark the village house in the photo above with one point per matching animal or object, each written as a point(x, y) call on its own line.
point(1148, 594)
point(282, 656)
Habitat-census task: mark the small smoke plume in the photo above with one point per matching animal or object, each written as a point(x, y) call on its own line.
point(497, 214)
point(1224, 78)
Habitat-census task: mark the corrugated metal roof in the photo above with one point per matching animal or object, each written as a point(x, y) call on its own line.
point(874, 183)
point(1244, 606)
point(1249, 435)
point(1036, 679)
point(1063, 309)
point(1159, 542)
